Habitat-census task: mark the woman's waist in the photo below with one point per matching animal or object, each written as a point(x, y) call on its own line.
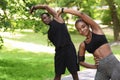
point(109, 59)
point(103, 51)
point(102, 54)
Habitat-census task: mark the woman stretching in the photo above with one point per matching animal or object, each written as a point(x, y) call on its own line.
point(96, 44)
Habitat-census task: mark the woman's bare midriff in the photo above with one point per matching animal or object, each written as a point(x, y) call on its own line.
point(103, 51)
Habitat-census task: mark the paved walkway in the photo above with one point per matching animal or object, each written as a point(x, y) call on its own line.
point(87, 74)
point(28, 46)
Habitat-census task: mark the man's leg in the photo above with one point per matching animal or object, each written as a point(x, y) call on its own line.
point(71, 62)
point(75, 76)
point(57, 77)
point(59, 64)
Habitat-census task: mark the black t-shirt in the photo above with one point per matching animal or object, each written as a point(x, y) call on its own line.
point(58, 34)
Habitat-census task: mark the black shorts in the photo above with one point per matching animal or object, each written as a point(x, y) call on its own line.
point(66, 57)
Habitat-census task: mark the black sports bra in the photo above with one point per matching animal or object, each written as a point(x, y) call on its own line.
point(96, 41)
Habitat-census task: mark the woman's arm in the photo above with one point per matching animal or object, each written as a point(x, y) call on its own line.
point(81, 55)
point(94, 26)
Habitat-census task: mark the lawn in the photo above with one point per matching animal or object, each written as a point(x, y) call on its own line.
point(18, 64)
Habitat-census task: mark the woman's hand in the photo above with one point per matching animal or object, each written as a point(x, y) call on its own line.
point(97, 60)
point(32, 9)
point(60, 11)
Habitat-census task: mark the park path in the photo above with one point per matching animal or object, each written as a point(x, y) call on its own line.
point(28, 46)
point(87, 74)
point(35, 47)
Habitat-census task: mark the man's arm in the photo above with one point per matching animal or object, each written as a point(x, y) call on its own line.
point(50, 11)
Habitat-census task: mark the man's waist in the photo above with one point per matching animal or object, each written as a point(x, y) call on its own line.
point(63, 45)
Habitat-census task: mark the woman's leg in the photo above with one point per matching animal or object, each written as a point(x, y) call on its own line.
point(116, 71)
point(101, 76)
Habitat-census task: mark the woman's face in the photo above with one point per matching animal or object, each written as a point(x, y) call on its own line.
point(82, 28)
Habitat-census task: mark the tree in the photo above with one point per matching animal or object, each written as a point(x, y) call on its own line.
point(115, 19)
point(4, 17)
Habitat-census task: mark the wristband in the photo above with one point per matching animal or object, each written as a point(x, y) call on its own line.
point(62, 10)
point(81, 58)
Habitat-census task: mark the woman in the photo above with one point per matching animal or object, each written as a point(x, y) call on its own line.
point(96, 44)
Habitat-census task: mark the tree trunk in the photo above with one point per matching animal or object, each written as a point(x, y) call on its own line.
point(115, 19)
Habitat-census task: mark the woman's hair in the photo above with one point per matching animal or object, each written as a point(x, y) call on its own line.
point(80, 20)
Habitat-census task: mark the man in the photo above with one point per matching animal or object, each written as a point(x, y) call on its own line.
point(65, 53)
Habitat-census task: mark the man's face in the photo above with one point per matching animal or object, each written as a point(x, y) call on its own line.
point(46, 19)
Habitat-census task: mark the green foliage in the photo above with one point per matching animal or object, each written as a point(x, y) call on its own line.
point(18, 16)
point(3, 4)
point(117, 2)
point(105, 17)
point(39, 26)
point(16, 12)
point(69, 3)
point(88, 7)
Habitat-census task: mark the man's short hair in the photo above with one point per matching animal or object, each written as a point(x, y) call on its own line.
point(45, 13)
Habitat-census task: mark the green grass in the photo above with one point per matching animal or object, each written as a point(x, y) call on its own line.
point(20, 65)
point(17, 64)
point(116, 51)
